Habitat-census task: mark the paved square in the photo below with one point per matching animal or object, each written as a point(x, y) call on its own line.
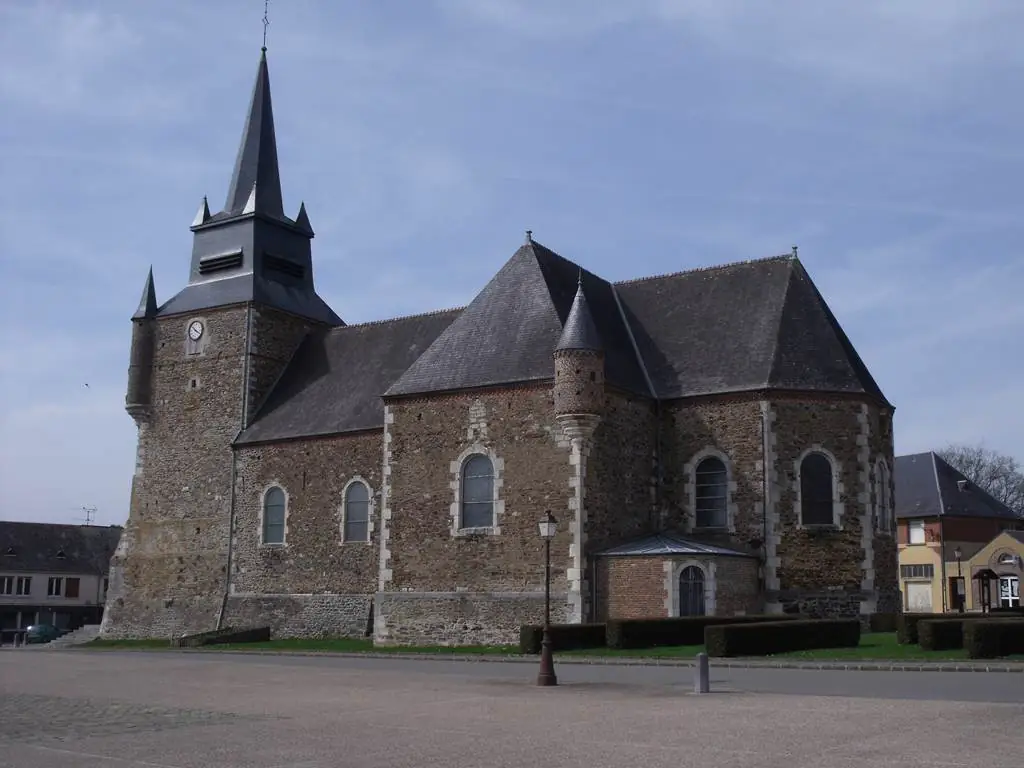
point(85, 709)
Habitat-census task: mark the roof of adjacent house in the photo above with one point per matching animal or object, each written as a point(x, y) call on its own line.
point(56, 548)
point(750, 326)
point(670, 544)
point(928, 486)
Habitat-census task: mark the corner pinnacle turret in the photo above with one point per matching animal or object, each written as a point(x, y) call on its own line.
point(147, 304)
point(579, 331)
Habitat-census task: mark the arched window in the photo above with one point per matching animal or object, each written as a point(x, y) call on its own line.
point(712, 483)
point(691, 591)
point(273, 516)
point(884, 499)
point(357, 513)
point(477, 500)
point(816, 490)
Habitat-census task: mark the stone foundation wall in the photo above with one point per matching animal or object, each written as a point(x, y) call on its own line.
point(460, 618)
point(304, 616)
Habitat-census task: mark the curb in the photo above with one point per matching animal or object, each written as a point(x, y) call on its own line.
point(635, 661)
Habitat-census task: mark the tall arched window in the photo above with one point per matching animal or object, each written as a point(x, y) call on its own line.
point(691, 591)
point(884, 498)
point(816, 502)
point(477, 500)
point(357, 513)
point(273, 516)
point(712, 483)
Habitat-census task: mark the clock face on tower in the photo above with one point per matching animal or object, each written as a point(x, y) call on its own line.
point(195, 330)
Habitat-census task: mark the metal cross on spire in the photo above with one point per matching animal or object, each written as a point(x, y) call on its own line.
point(266, 22)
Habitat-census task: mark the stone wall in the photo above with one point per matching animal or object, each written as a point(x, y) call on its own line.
point(324, 615)
point(168, 575)
point(314, 564)
point(426, 441)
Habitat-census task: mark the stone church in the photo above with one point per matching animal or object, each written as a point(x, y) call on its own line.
point(709, 441)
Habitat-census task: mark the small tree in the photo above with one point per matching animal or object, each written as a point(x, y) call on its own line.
point(1000, 475)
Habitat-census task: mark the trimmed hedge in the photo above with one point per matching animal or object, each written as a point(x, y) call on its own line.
point(992, 639)
point(687, 630)
point(941, 634)
point(906, 625)
point(222, 637)
point(564, 637)
point(781, 636)
point(883, 622)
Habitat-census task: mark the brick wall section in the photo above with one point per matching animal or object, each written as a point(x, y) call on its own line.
point(314, 560)
point(168, 575)
point(518, 425)
point(630, 588)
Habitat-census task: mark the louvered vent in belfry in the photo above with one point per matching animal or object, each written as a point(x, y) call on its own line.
point(284, 266)
point(220, 262)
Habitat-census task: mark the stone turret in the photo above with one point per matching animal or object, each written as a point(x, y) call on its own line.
point(579, 371)
point(139, 398)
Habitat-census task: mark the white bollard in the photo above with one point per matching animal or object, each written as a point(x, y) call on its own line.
point(701, 679)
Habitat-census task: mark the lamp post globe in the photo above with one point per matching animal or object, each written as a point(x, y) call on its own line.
point(548, 528)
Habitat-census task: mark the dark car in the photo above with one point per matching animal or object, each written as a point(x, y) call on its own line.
point(42, 633)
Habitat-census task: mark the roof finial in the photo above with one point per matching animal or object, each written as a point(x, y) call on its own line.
point(794, 251)
point(579, 279)
point(529, 236)
point(266, 23)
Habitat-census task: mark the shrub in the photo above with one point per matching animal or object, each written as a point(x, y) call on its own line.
point(906, 625)
point(564, 637)
point(687, 630)
point(941, 634)
point(990, 639)
point(781, 636)
point(883, 622)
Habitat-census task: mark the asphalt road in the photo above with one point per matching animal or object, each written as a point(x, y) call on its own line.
point(84, 709)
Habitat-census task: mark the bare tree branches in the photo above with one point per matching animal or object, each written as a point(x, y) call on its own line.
point(1000, 475)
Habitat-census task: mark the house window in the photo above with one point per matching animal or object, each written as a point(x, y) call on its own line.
point(712, 499)
point(477, 500)
point(916, 532)
point(1007, 559)
point(816, 499)
point(6, 585)
point(23, 586)
point(71, 587)
point(55, 586)
point(691, 591)
point(1009, 592)
point(917, 572)
point(357, 513)
point(273, 516)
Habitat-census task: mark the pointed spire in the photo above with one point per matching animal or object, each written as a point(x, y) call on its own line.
point(302, 220)
point(203, 214)
point(579, 331)
point(256, 181)
point(147, 304)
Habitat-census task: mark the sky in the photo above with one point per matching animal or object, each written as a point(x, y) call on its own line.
point(883, 138)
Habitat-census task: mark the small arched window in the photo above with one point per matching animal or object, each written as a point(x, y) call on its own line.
point(712, 484)
point(816, 502)
point(691, 591)
point(357, 513)
point(477, 492)
point(273, 516)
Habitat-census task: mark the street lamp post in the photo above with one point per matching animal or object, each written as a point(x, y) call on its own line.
point(961, 591)
point(548, 525)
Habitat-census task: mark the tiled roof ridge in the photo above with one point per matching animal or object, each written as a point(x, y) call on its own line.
point(711, 268)
point(417, 316)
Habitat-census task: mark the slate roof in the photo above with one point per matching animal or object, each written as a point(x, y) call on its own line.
point(927, 486)
point(335, 379)
point(670, 544)
point(508, 332)
point(87, 549)
point(579, 331)
point(740, 327)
